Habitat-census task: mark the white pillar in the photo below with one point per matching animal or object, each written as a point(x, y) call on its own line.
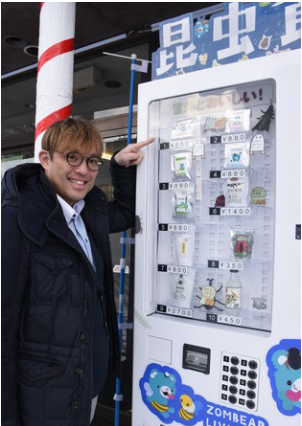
point(55, 66)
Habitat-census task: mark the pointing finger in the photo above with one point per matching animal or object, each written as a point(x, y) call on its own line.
point(140, 145)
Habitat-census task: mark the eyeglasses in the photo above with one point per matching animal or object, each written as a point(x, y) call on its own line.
point(75, 159)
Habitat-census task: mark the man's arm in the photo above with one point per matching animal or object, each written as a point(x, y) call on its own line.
point(14, 276)
point(121, 212)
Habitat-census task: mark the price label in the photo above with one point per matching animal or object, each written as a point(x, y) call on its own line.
point(234, 137)
point(235, 211)
point(177, 269)
point(180, 186)
point(180, 312)
point(183, 186)
point(172, 269)
point(226, 174)
point(237, 266)
point(231, 320)
point(171, 310)
point(178, 227)
point(173, 227)
point(222, 264)
point(181, 144)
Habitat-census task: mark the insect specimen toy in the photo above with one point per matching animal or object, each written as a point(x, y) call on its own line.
point(208, 296)
point(265, 119)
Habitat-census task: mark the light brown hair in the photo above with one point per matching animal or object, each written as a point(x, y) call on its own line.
point(73, 134)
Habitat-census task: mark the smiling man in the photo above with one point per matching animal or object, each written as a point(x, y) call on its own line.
point(59, 330)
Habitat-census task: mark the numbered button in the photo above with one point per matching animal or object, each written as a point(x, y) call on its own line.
point(233, 380)
point(250, 404)
point(234, 360)
point(233, 390)
point(251, 394)
point(252, 375)
point(251, 384)
point(253, 365)
point(234, 370)
point(232, 399)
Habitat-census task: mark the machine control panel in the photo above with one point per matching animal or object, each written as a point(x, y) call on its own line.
point(239, 384)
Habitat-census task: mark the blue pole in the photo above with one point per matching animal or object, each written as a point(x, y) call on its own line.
point(118, 396)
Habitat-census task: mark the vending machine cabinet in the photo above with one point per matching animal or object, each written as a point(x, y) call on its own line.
point(217, 275)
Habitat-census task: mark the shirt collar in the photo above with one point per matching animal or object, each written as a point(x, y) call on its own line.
point(71, 212)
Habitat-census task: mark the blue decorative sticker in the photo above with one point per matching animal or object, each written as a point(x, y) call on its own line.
point(170, 400)
point(244, 31)
point(284, 370)
point(165, 395)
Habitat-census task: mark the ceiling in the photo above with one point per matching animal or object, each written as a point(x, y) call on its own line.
point(135, 25)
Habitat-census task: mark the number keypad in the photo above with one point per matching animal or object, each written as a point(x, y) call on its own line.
point(239, 384)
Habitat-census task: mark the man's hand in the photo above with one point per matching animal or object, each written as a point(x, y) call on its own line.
point(132, 155)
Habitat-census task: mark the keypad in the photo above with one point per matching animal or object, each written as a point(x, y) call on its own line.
point(240, 380)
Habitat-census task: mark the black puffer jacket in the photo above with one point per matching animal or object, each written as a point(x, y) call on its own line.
point(48, 297)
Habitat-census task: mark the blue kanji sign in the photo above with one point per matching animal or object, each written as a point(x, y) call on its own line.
point(245, 31)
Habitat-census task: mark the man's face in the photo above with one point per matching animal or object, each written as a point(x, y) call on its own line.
point(71, 183)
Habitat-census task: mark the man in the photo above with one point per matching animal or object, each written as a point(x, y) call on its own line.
point(59, 331)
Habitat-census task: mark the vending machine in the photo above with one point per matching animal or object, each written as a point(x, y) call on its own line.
point(218, 250)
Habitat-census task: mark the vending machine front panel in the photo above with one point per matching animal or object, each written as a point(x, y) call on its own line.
point(218, 254)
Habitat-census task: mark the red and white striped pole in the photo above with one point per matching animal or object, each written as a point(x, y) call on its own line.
point(55, 66)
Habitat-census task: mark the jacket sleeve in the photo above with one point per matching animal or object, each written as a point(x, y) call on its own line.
point(13, 274)
point(121, 211)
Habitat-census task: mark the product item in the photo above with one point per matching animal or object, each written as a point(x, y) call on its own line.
point(182, 289)
point(214, 124)
point(183, 128)
point(265, 119)
point(181, 165)
point(184, 245)
point(258, 196)
point(237, 155)
point(238, 120)
point(236, 190)
point(233, 295)
point(242, 243)
point(183, 203)
point(208, 298)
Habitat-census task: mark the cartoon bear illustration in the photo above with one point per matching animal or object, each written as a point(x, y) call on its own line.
point(287, 379)
point(160, 389)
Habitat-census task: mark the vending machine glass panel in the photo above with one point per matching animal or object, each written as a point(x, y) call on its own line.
point(216, 204)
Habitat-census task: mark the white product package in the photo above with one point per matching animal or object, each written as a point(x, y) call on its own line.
point(182, 286)
point(181, 165)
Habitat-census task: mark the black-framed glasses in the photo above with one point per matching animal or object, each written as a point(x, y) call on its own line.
point(74, 159)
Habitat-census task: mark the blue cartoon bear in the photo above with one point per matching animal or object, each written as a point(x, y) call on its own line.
point(160, 390)
point(287, 378)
